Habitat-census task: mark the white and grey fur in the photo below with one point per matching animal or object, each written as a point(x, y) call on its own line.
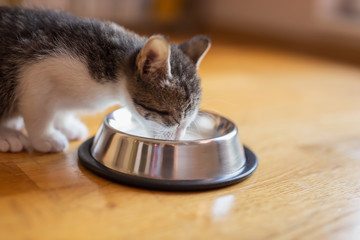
point(53, 64)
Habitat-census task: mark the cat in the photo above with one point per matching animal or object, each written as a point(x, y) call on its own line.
point(54, 64)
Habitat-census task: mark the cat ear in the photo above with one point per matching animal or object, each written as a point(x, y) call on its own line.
point(196, 48)
point(154, 58)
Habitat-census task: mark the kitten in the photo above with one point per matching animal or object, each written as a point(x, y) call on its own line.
point(53, 64)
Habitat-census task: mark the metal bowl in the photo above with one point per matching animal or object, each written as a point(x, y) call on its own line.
point(210, 156)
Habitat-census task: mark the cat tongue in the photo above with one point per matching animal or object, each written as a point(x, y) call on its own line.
point(180, 133)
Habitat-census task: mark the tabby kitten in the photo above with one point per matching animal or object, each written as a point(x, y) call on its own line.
point(53, 64)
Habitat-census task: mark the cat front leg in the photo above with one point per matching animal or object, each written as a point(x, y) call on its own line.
point(41, 92)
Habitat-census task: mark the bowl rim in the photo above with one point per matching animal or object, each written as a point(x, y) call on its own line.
point(232, 133)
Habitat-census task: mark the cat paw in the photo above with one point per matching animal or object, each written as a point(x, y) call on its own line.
point(73, 130)
point(54, 142)
point(13, 141)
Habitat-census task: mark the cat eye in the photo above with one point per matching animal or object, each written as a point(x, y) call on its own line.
point(160, 112)
point(176, 120)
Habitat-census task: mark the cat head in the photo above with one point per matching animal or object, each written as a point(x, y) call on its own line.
point(165, 92)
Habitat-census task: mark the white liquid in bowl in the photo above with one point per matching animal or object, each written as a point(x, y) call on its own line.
point(189, 136)
point(123, 121)
point(205, 126)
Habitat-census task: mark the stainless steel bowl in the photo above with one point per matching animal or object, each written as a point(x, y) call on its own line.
point(210, 156)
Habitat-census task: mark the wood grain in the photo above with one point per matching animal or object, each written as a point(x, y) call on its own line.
point(299, 114)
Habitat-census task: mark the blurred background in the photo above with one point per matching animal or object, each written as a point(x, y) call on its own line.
point(328, 28)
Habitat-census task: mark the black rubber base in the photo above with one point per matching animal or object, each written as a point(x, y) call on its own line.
point(166, 185)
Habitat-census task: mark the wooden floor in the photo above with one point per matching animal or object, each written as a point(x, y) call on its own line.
point(300, 115)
